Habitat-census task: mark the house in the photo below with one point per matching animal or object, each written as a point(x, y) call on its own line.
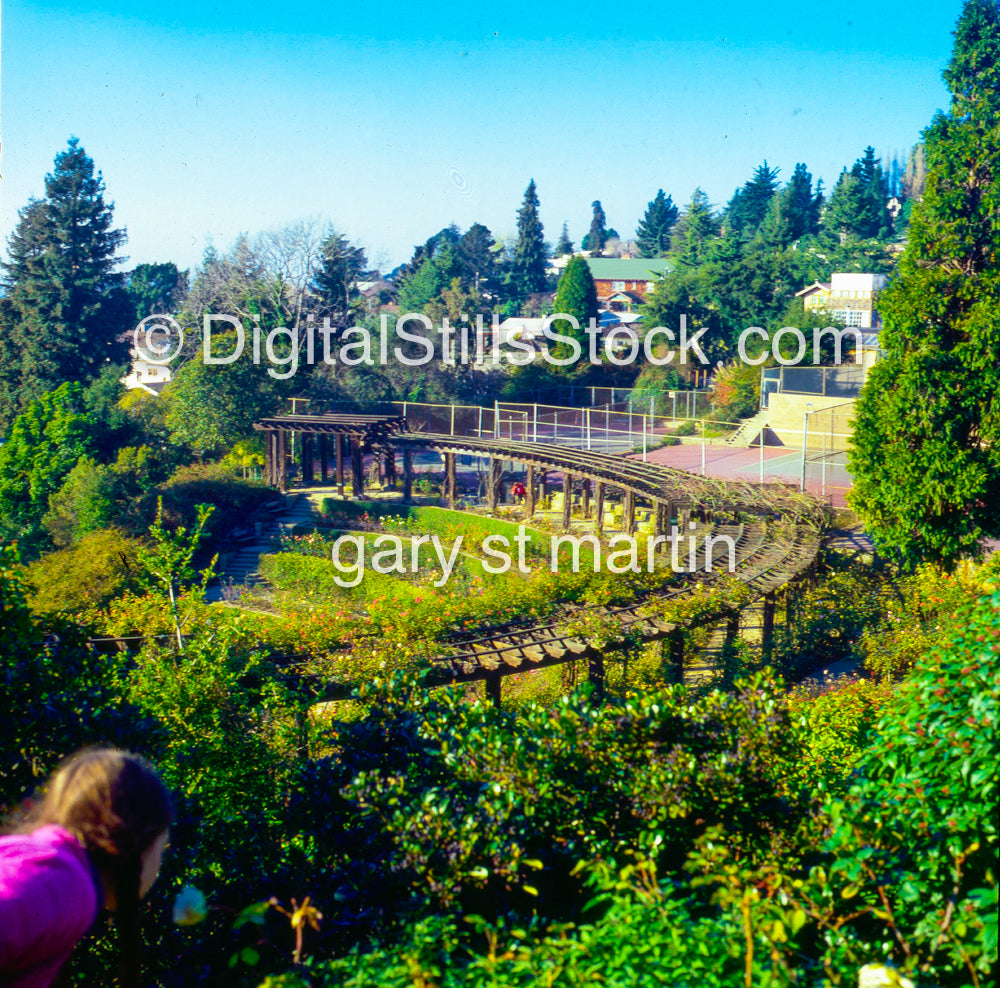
point(623, 283)
point(145, 374)
point(847, 297)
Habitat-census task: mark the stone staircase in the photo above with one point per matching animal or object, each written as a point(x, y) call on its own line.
point(748, 434)
point(241, 568)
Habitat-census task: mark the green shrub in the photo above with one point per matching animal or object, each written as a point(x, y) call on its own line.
point(85, 577)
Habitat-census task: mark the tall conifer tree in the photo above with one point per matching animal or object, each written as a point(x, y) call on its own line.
point(65, 305)
point(528, 265)
point(925, 452)
point(653, 232)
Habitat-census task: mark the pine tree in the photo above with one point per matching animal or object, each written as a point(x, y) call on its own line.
point(653, 232)
point(65, 304)
point(335, 280)
point(565, 245)
point(794, 212)
point(597, 236)
point(528, 265)
point(749, 205)
point(695, 229)
point(926, 446)
point(857, 208)
point(476, 255)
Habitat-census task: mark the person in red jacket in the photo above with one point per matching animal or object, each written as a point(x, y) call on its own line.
point(95, 841)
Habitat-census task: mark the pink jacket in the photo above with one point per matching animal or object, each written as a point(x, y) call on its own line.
point(48, 900)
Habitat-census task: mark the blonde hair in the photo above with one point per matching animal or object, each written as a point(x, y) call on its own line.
point(116, 805)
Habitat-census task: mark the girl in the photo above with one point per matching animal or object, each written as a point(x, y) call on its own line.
point(95, 841)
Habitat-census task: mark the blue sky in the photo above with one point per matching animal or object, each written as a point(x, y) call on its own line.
point(214, 118)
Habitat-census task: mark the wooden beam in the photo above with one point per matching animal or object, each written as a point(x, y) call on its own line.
point(407, 474)
point(530, 492)
point(599, 506)
point(567, 500)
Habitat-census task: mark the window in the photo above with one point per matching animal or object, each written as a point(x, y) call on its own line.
point(854, 317)
point(649, 286)
point(618, 286)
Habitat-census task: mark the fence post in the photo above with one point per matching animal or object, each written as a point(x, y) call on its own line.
point(496, 419)
point(452, 418)
point(555, 426)
point(587, 413)
point(703, 447)
point(644, 439)
point(805, 443)
point(535, 427)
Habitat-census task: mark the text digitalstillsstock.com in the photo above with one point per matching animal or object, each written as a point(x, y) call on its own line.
point(498, 554)
point(159, 340)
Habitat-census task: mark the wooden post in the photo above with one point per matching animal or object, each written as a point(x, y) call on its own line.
point(450, 479)
point(282, 461)
point(767, 630)
point(529, 496)
point(407, 474)
point(599, 506)
point(496, 472)
point(324, 458)
point(544, 484)
point(628, 513)
point(357, 468)
point(586, 497)
point(269, 458)
point(390, 467)
point(307, 459)
point(493, 689)
point(338, 448)
point(567, 500)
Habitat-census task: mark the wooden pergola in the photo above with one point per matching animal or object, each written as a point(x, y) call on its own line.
point(336, 440)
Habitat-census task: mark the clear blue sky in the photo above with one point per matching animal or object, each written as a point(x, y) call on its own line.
point(212, 118)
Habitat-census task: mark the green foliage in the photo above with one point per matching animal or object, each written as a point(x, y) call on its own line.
point(598, 234)
point(44, 443)
point(654, 229)
point(576, 296)
point(82, 505)
point(527, 272)
point(64, 305)
point(85, 577)
point(925, 453)
point(213, 406)
point(56, 695)
point(916, 838)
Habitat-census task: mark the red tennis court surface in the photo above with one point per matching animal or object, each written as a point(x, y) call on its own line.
point(781, 465)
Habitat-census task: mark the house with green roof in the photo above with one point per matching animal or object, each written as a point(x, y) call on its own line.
point(623, 283)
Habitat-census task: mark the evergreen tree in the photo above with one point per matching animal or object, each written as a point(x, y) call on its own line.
point(653, 232)
point(156, 288)
point(695, 230)
point(857, 208)
point(477, 260)
point(576, 296)
point(527, 273)
point(597, 236)
point(749, 205)
point(794, 212)
point(564, 245)
point(65, 305)
point(335, 282)
point(926, 446)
